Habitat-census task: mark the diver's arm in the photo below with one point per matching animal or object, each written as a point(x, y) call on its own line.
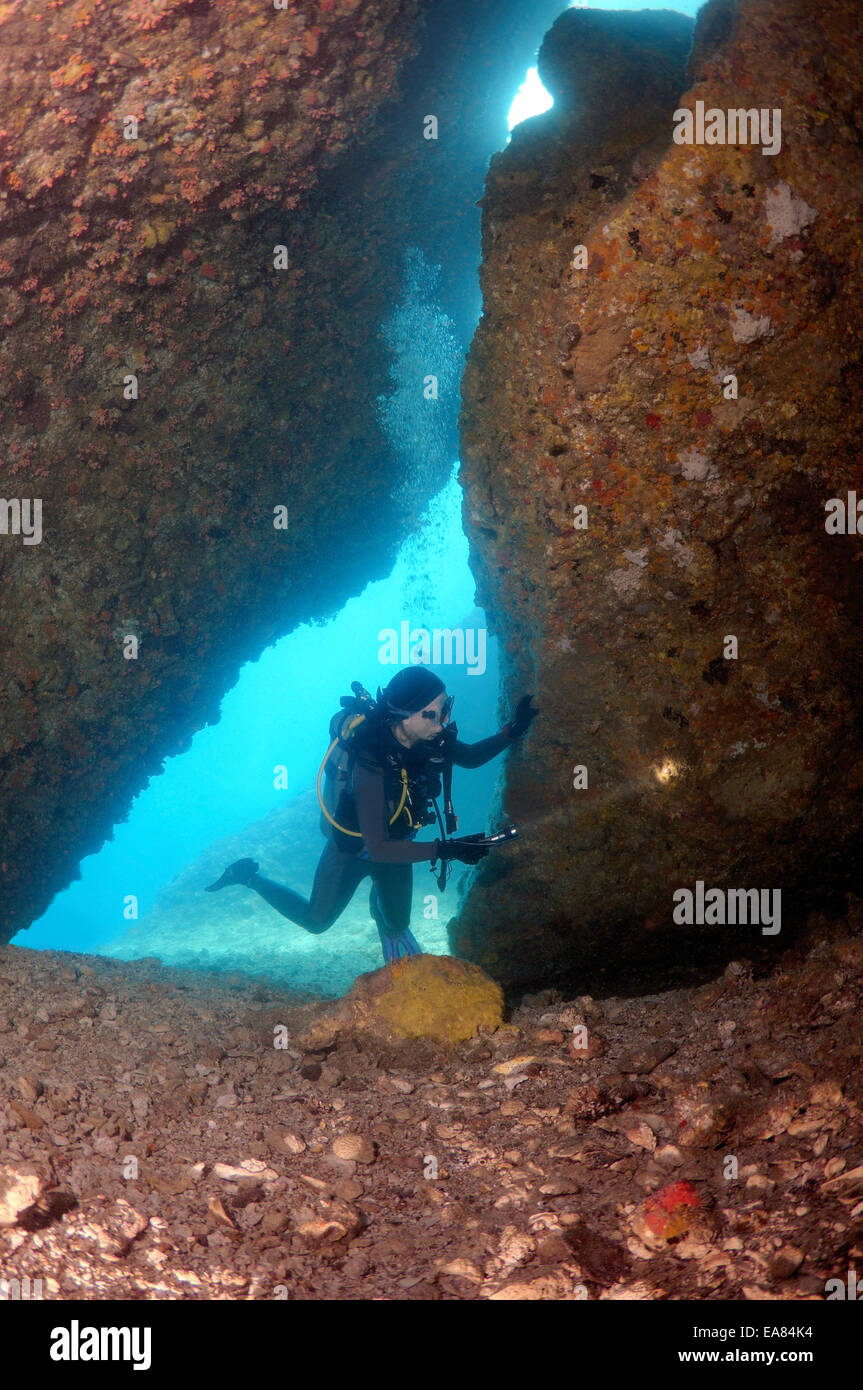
point(372, 817)
point(476, 754)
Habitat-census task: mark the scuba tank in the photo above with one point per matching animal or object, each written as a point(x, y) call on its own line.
point(336, 765)
point(355, 710)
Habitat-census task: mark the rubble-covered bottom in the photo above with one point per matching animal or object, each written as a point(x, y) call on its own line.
point(161, 1137)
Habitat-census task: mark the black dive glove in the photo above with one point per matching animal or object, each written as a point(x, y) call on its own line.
point(520, 722)
point(465, 849)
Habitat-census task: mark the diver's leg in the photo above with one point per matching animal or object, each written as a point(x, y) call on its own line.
point(336, 879)
point(390, 904)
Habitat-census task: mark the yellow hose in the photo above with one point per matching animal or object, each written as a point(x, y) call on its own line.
point(353, 724)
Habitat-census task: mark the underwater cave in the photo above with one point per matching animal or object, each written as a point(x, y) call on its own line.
point(503, 359)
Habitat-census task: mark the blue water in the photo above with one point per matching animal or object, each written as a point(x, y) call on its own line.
point(276, 715)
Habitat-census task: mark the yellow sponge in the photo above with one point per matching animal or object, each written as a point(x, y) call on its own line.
point(434, 997)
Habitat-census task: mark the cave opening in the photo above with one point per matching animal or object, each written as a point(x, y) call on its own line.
point(531, 99)
point(245, 786)
point(235, 789)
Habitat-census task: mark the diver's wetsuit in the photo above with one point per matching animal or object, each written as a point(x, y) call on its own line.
point(385, 852)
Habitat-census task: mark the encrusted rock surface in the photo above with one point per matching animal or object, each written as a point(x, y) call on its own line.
point(153, 257)
point(607, 388)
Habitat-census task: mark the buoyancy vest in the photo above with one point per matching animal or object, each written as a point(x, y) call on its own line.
point(412, 776)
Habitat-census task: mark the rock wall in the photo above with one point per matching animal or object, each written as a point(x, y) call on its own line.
point(152, 257)
point(692, 382)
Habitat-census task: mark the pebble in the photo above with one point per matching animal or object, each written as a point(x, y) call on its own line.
point(668, 1157)
point(826, 1093)
point(786, 1262)
point(586, 1049)
point(644, 1060)
point(355, 1147)
point(546, 1037)
point(513, 1065)
point(463, 1269)
point(510, 1082)
point(31, 1090)
point(759, 1183)
point(284, 1141)
point(346, 1167)
point(849, 1181)
point(250, 1167)
point(19, 1188)
point(559, 1187)
point(399, 1083)
point(349, 1190)
point(512, 1107)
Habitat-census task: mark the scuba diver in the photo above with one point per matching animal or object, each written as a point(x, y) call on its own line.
point(395, 753)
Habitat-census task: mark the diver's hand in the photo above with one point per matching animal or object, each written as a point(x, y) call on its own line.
point(463, 850)
point(520, 722)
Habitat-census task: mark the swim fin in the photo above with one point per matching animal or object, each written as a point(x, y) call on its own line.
point(403, 944)
point(239, 872)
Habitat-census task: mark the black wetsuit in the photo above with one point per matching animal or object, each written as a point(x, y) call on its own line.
point(385, 851)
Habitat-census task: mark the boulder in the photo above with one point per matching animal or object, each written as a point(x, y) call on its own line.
point(20, 1188)
point(434, 997)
